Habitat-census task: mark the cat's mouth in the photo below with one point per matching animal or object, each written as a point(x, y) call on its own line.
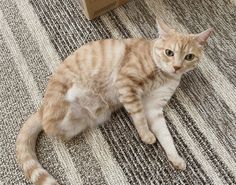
point(179, 71)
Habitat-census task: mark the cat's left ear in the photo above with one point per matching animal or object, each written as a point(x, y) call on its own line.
point(163, 29)
point(202, 37)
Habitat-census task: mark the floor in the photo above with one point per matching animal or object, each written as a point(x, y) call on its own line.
point(36, 35)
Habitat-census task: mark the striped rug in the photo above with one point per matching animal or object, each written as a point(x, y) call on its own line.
point(36, 35)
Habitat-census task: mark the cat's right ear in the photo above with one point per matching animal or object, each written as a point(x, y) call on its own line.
point(163, 29)
point(202, 37)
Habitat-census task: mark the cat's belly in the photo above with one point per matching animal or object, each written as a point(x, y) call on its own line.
point(97, 106)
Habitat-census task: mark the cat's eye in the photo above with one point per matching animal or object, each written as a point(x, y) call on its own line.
point(189, 57)
point(169, 53)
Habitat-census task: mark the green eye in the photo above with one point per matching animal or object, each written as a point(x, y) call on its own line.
point(189, 57)
point(169, 53)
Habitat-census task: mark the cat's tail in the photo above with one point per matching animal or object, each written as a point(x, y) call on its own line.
point(25, 151)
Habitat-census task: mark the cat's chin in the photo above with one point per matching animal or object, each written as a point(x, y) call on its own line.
point(173, 73)
point(168, 71)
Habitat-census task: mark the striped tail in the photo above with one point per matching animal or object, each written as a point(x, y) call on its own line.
point(26, 156)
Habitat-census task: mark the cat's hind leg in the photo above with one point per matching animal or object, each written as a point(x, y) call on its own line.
point(74, 123)
point(61, 119)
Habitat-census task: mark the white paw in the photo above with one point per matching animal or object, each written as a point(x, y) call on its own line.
point(148, 138)
point(178, 162)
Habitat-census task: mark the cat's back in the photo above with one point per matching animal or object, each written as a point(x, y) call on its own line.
point(97, 63)
point(110, 51)
point(107, 51)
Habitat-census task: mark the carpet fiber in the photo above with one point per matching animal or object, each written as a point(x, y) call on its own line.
point(36, 35)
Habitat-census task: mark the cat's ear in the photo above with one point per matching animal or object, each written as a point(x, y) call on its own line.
point(163, 29)
point(202, 37)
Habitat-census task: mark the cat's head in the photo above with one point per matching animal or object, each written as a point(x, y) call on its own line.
point(178, 53)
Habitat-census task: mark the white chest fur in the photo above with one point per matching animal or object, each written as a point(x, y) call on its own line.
point(161, 95)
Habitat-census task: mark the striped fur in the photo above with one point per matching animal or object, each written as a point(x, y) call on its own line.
point(25, 150)
point(100, 77)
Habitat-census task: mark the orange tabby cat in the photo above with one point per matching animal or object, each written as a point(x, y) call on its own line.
point(102, 76)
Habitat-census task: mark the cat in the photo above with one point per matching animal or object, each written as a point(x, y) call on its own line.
point(101, 77)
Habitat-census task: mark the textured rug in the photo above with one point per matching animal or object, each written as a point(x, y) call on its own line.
point(36, 35)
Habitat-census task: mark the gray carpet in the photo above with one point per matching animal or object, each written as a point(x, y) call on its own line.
point(36, 35)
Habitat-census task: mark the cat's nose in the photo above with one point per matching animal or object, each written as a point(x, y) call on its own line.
point(176, 68)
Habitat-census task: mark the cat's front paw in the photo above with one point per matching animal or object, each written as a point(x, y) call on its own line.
point(148, 138)
point(178, 162)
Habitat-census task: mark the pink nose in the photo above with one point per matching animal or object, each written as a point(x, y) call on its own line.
point(176, 68)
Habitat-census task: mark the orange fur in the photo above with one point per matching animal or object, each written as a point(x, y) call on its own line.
point(100, 77)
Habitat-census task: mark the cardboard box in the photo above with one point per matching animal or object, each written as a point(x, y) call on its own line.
point(94, 8)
